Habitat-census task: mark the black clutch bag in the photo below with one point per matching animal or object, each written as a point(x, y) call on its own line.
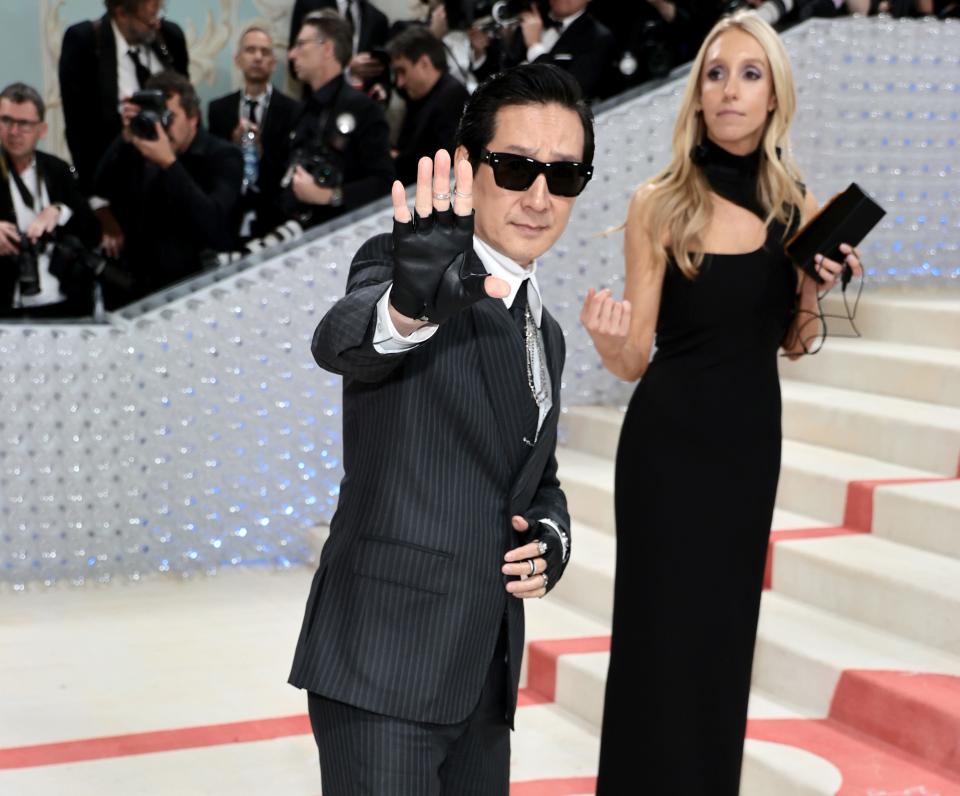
point(846, 218)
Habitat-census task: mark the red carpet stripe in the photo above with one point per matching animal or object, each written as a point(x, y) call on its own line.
point(541, 689)
point(918, 713)
point(542, 661)
point(141, 743)
point(567, 786)
point(868, 766)
point(857, 517)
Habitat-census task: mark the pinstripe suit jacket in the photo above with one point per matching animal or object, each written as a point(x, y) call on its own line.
point(407, 603)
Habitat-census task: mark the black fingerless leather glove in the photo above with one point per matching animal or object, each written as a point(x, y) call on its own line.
point(436, 273)
point(556, 562)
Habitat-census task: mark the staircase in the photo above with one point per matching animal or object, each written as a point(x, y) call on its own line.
point(856, 683)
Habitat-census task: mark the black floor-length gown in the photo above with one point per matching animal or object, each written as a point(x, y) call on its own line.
point(697, 469)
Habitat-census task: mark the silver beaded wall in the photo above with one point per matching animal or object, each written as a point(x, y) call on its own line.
point(197, 433)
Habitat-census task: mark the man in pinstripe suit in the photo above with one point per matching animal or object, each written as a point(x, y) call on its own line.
point(450, 510)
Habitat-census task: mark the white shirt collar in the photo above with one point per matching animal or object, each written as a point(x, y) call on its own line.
point(566, 22)
point(511, 272)
point(261, 99)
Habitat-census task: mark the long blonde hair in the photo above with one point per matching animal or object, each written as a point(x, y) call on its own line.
point(678, 202)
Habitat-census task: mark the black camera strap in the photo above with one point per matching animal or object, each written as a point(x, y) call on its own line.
point(28, 198)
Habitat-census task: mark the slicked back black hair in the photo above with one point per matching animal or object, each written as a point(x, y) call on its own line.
point(527, 84)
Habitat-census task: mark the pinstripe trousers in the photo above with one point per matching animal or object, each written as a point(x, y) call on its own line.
point(367, 754)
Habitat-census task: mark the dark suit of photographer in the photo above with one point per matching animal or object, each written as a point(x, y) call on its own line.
point(340, 132)
point(266, 113)
point(569, 37)
point(176, 197)
point(89, 71)
point(39, 198)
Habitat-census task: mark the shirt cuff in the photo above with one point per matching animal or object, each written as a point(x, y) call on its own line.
point(387, 340)
point(535, 51)
point(564, 539)
point(65, 214)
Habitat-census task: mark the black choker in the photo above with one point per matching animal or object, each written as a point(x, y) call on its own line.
point(733, 177)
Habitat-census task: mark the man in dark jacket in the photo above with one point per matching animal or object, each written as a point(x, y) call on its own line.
point(267, 115)
point(433, 97)
point(39, 197)
point(451, 513)
point(568, 37)
point(176, 196)
point(370, 29)
point(102, 62)
point(340, 148)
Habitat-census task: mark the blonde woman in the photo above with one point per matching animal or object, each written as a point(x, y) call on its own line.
point(699, 453)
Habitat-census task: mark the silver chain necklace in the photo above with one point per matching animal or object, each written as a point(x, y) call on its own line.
point(534, 346)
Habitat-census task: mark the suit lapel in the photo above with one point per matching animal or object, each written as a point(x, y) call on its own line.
point(502, 358)
point(109, 88)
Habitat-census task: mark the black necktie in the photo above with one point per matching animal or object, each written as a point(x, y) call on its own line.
point(518, 308)
point(143, 74)
point(252, 110)
point(348, 15)
point(550, 22)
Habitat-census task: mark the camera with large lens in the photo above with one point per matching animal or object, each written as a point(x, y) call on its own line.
point(28, 265)
point(73, 264)
point(153, 109)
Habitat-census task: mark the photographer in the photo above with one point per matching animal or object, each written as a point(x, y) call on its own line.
point(567, 36)
point(434, 99)
point(257, 118)
point(340, 149)
point(369, 31)
point(39, 199)
point(175, 188)
point(102, 62)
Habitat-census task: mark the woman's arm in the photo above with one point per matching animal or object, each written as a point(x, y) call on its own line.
point(623, 331)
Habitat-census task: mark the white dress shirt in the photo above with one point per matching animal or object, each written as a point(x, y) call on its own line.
point(126, 72)
point(388, 340)
point(260, 109)
point(49, 285)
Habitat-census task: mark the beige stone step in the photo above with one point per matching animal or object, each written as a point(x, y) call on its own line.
point(814, 479)
point(918, 373)
point(803, 650)
point(921, 318)
point(920, 515)
point(901, 590)
point(910, 433)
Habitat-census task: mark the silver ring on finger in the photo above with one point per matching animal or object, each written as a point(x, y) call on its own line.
point(442, 197)
point(461, 195)
point(546, 580)
point(533, 566)
point(542, 547)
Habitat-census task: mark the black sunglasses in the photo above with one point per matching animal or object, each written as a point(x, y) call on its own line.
point(517, 173)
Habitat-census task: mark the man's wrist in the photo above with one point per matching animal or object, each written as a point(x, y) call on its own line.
point(404, 325)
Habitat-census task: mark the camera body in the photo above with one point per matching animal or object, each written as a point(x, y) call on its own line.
point(495, 17)
point(324, 166)
point(153, 109)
